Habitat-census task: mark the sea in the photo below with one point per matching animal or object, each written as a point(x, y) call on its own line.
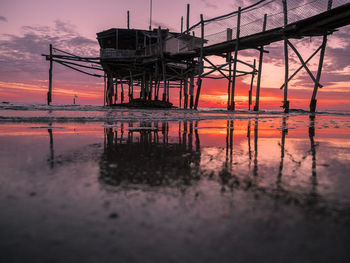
point(82, 183)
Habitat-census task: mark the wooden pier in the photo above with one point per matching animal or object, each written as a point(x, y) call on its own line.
point(154, 61)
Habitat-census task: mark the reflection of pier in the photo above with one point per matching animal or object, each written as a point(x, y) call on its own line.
point(170, 154)
point(147, 156)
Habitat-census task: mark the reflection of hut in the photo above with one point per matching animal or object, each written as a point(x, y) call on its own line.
point(146, 157)
point(142, 58)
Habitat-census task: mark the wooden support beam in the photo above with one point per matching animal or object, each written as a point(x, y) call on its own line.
point(110, 90)
point(116, 91)
point(104, 90)
point(186, 92)
point(258, 84)
point(235, 60)
point(143, 86)
point(303, 63)
point(182, 24)
point(313, 101)
point(251, 87)
point(216, 68)
point(229, 60)
point(132, 86)
point(286, 63)
point(188, 19)
point(163, 62)
point(150, 87)
point(191, 90)
point(180, 94)
point(121, 91)
point(302, 66)
point(128, 19)
point(49, 94)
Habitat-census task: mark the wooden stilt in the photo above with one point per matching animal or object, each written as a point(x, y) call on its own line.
point(49, 94)
point(286, 63)
point(180, 93)
point(104, 90)
point(110, 89)
point(132, 86)
point(116, 91)
point(143, 86)
point(235, 61)
point(122, 91)
point(163, 63)
point(128, 19)
point(186, 93)
point(201, 64)
point(313, 101)
point(229, 60)
point(188, 19)
point(156, 92)
point(182, 24)
point(191, 90)
point(251, 87)
point(261, 56)
point(150, 87)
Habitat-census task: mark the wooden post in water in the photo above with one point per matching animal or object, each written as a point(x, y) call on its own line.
point(201, 64)
point(104, 90)
point(286, 64)
point(313, 101)
point(191, 90)
point(251, 85)
point(229, 60)
point(122, 91)
point(186, 92)
point(235, 60)
point(49, 94)
point(132, 87)
point(180, 93)
point(261, 56)
point(110, 89)
point(163, 63)
point(116, 91)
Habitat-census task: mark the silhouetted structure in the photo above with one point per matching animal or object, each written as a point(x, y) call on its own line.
point(158, 59)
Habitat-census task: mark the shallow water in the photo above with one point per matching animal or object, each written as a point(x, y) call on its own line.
point(247, 188)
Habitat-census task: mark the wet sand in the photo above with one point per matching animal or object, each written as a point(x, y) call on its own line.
point(239, 188)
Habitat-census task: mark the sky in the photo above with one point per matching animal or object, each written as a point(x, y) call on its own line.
point(27, 27)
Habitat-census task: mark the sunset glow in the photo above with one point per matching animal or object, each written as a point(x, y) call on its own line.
point(25, 35)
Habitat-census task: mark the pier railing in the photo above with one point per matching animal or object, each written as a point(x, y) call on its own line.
point(252, 18)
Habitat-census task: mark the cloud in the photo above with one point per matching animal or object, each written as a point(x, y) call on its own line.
point(20, 55)
point(3, 19)
point(209, 4)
